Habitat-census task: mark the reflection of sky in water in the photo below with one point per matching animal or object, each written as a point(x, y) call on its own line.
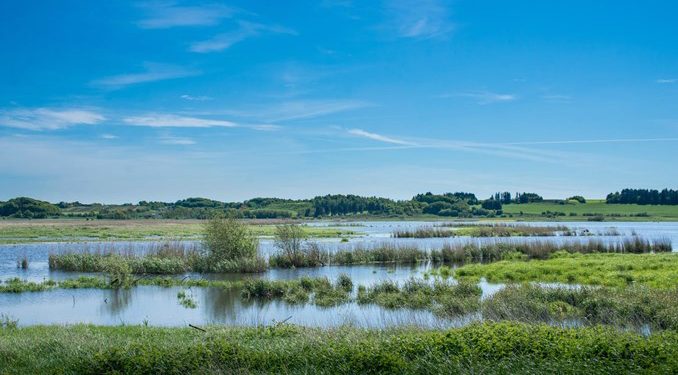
point(159, 306)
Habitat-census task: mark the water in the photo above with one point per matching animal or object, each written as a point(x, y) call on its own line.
point(160, 306)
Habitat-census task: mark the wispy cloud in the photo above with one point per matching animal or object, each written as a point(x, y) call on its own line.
point(484, 97)
point(109, 136)
point(48, 118)
point(610, 140)
point(167, 14)
point(300, 109)
point(667, 80)
point(200, 98)
point(153, 72)
point(379, 137)
point(420, 19)
point(245, 30)
point(163, 120)
point(177, 141)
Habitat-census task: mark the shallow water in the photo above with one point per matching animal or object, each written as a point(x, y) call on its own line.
point(160, 306)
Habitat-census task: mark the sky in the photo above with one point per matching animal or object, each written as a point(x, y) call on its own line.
point(122, 101)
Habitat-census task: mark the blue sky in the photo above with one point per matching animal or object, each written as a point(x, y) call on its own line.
point(160, 100)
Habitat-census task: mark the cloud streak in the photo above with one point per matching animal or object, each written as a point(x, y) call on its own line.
point(153, 72)
point(667, 80)
point(161, 120)
point(379, 137)
point(48, 118)
point(166, 14)
point(422, 19)
point(245, 30)
point(485, 97)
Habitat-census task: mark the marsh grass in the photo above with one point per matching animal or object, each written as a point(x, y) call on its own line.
point(630, 307)
point(157, 259)
point(658, 271)
point(319, 291)
point(478, 348)
point(442, 297)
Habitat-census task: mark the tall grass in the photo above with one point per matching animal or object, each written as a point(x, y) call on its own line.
point(622, 307)
point(442, 297)
point(480, 348)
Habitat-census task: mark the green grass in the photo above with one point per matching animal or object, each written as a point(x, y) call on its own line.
point(22, 231)
point(654, 270)
point(630, 307)
point(583, 211)
point(506, 348)
point(441, 297)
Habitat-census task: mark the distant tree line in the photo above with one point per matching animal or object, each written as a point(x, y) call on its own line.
point(644, 196)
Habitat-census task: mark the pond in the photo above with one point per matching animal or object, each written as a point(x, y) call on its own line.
point(160, 306)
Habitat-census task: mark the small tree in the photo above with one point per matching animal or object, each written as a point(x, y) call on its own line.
point(289, 239)
point(229, 240)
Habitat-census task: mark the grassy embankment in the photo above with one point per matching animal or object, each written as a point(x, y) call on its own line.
point(591, 210)
point(22, 231)
point(480, 348)
point(616, 270)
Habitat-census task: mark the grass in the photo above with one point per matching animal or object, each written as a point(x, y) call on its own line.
point(443, 298)
point(482, 230)
point(630, 307)
point(592, 208)
point(318, 291)
point(22, 231)
point(161, 258)
point(618, 270)
point(492, 252)
point(478, 348)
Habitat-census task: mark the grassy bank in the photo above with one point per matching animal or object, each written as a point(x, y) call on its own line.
point(619, 270)
point(22, 231)
point(483, 348)
point(590, 210)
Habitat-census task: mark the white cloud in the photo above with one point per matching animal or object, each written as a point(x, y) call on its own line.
point(192, 98)
point(48, 118)
point(109, 136)
point(245, 30)
point(153, 72)
point(302, 109)
point(486, 97)
point(667, 80)
point(166, 14)
point(177, 141)
point(160, 120)
point(420, 19)
point(556, 98)
point(379, 137)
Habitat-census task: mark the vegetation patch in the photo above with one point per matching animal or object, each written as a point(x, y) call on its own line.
point(631, 307)
point(478, 348)
point(658, 271)
point(442, 297)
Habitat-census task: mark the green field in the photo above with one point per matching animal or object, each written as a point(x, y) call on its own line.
point(617, 270)
point(584, 211)
point(502, 348)
point(18, 231)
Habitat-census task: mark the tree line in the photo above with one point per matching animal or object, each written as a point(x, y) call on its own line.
point(644, 196)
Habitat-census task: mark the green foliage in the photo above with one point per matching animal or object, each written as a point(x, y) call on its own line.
point(479, 348)
point(658, 271)
point(230, 246)
point(631, 307)
point(28, 208)
point(442, 297)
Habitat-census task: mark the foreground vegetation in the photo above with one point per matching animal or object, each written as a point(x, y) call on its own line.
point(478, 348)
point(655, 270)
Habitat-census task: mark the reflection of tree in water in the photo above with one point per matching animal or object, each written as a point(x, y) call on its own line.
point(221, 304)
point(117, 300)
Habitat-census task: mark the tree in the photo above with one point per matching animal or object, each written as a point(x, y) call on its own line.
point(228, 240)
point(289, 239)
